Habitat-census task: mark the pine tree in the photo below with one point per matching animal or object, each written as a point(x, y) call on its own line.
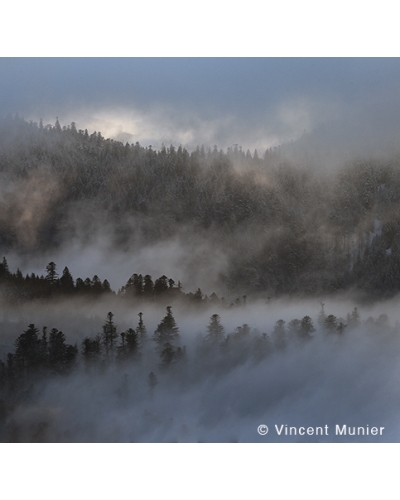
point(91, 350)
point(330, 323)
point(167, 329)
point(168, 355)
point(57, 351)
point(321, 315)
point(27, 352)
point(52, 275)
point(138, 284)
point(306, 328)
point(109, 335)
point(67, 281)
point(130, 345)
point(148, 286)
point(215, 329)
point(161, 285)
point(105, 286)
point(279, 334)
point(4, 270)
point(141, 329)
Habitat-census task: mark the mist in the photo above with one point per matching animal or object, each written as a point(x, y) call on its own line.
point(216, 395)
point(197, 248)
point(256, 102)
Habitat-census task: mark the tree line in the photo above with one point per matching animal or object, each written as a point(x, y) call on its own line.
point(284, 228)
point(42, 354)
point(17, 288)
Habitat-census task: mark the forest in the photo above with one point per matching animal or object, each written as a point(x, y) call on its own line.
point(276, 278)
point(243, 224)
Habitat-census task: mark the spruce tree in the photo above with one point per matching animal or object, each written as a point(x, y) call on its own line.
point(215, 329)
point(109, 335)
point(167, 330)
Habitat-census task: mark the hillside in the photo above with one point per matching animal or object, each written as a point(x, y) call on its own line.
point(251, 224)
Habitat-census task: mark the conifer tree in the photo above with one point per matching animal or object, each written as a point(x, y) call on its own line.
point(279, 334)
point(215, 329)
point(52, 275)
point(306, 327)
point(61, 354)
point(167, 330)
point(91, 349)
point(27, 352)
point(141, 329)
point(66, 281)
point(109, 335)
point(130, 345)
point(167, 355)
point(330, 323)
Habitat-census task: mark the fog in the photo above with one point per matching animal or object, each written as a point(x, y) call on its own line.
point(221, 396)
point(282, 244)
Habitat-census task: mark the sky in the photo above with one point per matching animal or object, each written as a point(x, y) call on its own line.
point(255, 102)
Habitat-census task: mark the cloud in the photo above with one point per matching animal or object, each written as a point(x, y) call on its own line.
point(254, 102)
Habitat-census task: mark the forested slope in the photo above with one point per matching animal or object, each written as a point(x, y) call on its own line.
point(282, 227)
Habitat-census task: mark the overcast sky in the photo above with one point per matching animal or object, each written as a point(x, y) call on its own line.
point(254, 102)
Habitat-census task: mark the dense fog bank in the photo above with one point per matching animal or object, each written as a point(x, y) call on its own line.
point(203, 378)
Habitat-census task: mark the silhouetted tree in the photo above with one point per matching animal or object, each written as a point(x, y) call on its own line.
point(215, 329)
point(279, 334)
point(168, 355)
point(91, 350)
point(306, 327)
point(27, 352)
point(52, 275)
point(141, 329)
point(161, 285)
point(67, 281)
point(167, 330)
point(330, 323)
point(61, 354)
point(109, 335)
point(148, 286)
